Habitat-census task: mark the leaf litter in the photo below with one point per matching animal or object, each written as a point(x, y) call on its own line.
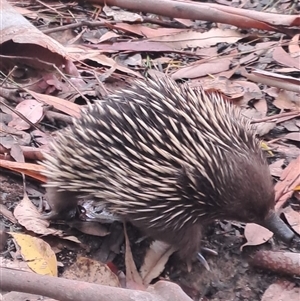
point(106, 48)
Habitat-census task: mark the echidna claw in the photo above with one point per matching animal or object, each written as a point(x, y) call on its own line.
point(209, 251)
point(203, 261)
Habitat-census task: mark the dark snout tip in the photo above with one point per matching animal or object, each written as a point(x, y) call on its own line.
point(281, 230)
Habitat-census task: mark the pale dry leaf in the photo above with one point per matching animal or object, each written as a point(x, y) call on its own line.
point(133, 278)
point(262, 128)
point(261, 106)
point(155, 260)
point(256, 235)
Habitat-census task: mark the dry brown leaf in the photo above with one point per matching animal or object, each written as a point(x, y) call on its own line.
point(289, 180)
point(135, 46)
point(202, 68)
point(282, 290)
point(121, 15)
point(194, 39)
point(27, 44)
point(146, 31)
point(17, 153)
point(293, 136)
point(256, 235)
point(29, 217)
point(276, 168)
point(92, 271)
point(282, 57)
point(293, 218)
point(294, 47)
point(106, 61)
point(7, 214)
point(291, 125)
point(287, 100)
point(31, 109)
point(13, 136)
point(60, 104)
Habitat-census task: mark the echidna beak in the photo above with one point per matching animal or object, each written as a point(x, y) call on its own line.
point(275, 224)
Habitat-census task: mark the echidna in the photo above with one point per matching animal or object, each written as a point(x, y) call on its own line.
point(166, 158)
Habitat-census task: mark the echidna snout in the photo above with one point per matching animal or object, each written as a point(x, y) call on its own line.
point(166, 158)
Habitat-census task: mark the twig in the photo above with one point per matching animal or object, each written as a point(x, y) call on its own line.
point(242, 18)
point(72, 290)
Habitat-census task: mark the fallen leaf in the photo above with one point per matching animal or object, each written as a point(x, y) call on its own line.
point(60, 104)
point(133, 278)
point(289, 180)
point(29, 108)
point(29, 169)
point(122, 15)
point(276, 168)
point(256, 235)
point(29, 217)
point(293, 136)
point(293, 218)
point(155, 260)
point(281, 290)
point(37, 254)
point(92, 271)
point(201, 68)
point(282, 57)
point(196, 39)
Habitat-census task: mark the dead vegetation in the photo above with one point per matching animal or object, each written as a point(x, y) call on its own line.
point(57, 57)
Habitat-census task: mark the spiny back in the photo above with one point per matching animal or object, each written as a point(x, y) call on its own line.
point(159, 152)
